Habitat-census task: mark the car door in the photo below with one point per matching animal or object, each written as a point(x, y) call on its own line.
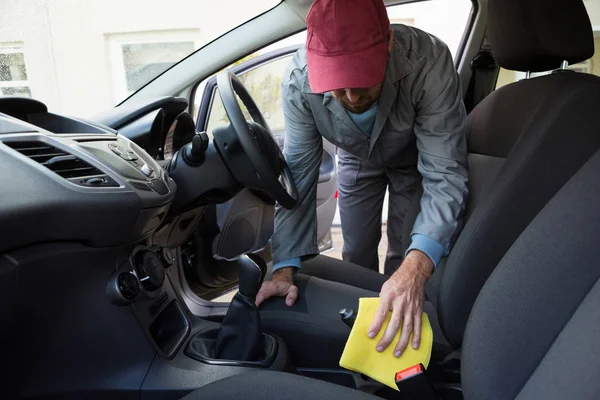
point(247, 213)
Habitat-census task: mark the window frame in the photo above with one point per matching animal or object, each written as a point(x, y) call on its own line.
point(15, 48)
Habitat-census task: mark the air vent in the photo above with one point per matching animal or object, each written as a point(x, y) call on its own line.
point(95, 139)
point(61, 162)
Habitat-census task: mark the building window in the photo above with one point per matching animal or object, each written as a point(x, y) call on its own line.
point(145, 61)
point(13, 73)
point(138, 58)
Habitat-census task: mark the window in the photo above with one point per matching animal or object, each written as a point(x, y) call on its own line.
point(13, 74)
point(143, 61)
point(137, 58)
point(590, 66)
point(264, 85)
point(294, 40)
point(446, 19)
point(506, 77)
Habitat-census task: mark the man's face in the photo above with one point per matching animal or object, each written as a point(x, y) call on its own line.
point(358, 100)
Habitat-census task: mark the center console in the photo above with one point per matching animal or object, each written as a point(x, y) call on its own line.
point(194, 350)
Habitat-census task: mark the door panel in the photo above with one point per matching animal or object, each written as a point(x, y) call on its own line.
point(262, 77)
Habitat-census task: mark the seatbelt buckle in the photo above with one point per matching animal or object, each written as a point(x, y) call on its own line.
point(413, 383)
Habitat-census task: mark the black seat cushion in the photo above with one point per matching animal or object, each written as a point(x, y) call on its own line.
point(312, 328)
point(533, 332)
point(332, 269)
point(275, 385)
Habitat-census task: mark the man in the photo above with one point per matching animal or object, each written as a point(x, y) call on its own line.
point(391, 101)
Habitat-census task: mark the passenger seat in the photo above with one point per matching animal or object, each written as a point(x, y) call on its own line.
point(553, 122)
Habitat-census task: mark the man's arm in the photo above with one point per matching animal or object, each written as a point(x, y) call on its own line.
point(440, 129)
point(295, 230)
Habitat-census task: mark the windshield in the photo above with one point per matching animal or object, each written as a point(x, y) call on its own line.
point(80, 57)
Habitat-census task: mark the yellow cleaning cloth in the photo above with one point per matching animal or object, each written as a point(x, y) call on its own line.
point(360, 353)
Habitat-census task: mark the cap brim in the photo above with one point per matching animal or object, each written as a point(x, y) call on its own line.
point(362, 69)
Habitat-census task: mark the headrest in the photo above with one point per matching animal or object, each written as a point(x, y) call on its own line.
point(538, 35)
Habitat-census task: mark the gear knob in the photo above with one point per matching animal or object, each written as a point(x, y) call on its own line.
point(252, 270)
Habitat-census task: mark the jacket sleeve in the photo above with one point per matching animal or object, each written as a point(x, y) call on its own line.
point(440, 129)
point(296, 230)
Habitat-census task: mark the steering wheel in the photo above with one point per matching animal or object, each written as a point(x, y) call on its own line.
point(271, 172)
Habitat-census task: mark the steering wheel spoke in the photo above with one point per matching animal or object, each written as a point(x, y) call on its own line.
point(250, 144)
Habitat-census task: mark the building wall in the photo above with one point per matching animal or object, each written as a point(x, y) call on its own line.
point(68, 42)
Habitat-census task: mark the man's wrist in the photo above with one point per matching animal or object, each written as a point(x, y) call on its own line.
point(285, 274)
point(418, 262)
point(429, 246)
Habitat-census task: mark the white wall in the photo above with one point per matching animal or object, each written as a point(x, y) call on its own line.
point(67, 49)
point(26, 22)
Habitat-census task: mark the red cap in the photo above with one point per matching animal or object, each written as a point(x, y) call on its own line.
point(346, 44)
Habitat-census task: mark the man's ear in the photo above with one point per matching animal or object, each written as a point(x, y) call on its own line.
point(391, 40)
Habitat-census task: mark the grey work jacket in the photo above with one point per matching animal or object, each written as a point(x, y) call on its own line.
point(421, 121)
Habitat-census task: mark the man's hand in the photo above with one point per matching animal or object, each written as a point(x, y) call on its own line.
point(403, 294)
point(282, 285)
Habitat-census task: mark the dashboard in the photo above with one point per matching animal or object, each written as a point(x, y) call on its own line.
point(68, 179)
point(96, 219)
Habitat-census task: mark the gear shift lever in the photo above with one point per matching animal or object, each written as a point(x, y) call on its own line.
point(252, 270)
point(240, 336)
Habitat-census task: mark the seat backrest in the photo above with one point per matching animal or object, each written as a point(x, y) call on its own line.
point(535, 327)
point(530, 137)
